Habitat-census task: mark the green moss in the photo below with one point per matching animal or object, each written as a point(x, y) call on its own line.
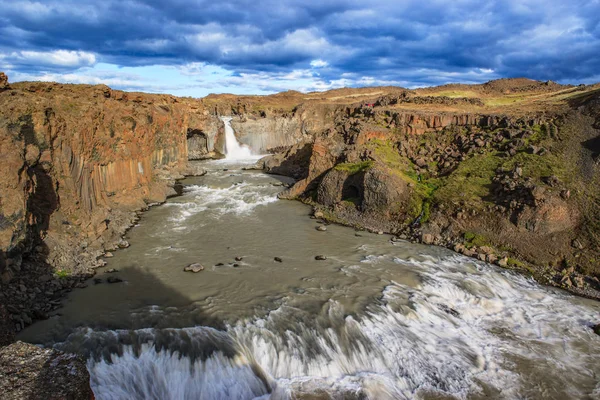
point(352, 201)
point(426, 211)
point(386, 152)
point(62, 274)
point(475, 240)
point(514, 263)
point(536, 166)
point(354, 168)
point(470, 182)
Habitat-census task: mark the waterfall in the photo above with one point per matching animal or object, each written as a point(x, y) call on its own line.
point(233, 149)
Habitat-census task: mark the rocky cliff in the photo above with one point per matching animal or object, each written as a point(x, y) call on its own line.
point(514, 185)
point(77, 161)
point(80, 162)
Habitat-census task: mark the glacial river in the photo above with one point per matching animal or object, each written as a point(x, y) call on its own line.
point(376, 320)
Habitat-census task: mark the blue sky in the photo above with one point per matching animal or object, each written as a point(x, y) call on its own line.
point(197, 47)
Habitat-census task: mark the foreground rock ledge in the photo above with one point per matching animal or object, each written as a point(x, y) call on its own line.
point(29, 372)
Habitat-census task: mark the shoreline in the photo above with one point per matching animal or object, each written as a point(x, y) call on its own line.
point(540, 275)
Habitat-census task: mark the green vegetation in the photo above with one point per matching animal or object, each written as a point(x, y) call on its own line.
point(536, 166)
point(352, 201)
point(426, 211)
point(354, 168)
point(504, 100)
point(470, 182)
point(454, 93)
point(62, 274)
point(475, 240)
point(385, 152)
point(514, 263)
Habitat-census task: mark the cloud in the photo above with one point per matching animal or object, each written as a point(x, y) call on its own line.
point(54, 58)
point(319, 63)
point(268, 44)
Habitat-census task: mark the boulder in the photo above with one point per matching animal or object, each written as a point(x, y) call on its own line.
point(30, 372)
point(194, 268)
point(321, 228)
point(320, 257)
point(278, 259)
point(427, 238)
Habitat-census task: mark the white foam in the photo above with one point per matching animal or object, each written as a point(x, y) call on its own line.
point(238, 199)
point(461, 332)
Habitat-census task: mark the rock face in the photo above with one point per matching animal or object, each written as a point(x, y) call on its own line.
point(29, 372)
point(77, 162)
point(7, 327)
point(264, 134)
point(4, 82)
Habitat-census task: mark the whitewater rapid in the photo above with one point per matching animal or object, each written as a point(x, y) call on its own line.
point(376, 320)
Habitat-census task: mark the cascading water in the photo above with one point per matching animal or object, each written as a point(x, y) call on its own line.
point(377, 320)
point(233, 149)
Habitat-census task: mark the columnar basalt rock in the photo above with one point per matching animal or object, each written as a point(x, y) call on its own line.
point(78, 161)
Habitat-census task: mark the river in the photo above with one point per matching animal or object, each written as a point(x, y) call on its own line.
point(377, 319)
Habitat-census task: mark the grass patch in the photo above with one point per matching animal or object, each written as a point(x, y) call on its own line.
point(470, 182)
point(385, 152)
point(453, 94)
point(504, 100)
point(354, 168)
point(536, 166)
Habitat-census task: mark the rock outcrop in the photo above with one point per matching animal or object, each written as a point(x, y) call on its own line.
point(78, 161)
point(508, 186)
point(4, 82)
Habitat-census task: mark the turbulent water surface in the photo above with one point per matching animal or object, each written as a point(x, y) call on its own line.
point(376, 320)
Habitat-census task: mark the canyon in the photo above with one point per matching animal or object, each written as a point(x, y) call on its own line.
point(506, 172)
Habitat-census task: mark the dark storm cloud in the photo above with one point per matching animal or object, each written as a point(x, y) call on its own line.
point(408, 42)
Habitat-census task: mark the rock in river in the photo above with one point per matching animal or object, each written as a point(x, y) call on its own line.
point(195, 268)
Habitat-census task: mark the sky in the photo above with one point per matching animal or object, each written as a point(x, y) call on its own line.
point(197, 47)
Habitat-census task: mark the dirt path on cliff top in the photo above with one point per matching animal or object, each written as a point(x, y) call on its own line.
point(375, 319)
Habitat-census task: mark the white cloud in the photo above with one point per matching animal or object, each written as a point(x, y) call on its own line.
point(59, 58)
point(319, 63)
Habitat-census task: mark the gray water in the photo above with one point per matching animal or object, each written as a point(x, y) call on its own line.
point(377, 319)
